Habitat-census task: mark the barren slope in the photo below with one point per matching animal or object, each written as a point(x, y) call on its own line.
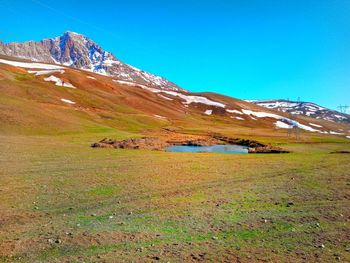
point(44, 98)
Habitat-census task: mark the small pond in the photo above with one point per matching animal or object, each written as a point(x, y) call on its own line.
point(231, 149)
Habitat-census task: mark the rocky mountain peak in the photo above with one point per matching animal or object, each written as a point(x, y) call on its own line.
point(76, 50)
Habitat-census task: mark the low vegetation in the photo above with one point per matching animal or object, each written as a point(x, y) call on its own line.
point(63, 201)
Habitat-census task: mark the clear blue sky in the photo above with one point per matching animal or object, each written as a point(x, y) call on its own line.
point(246, 49)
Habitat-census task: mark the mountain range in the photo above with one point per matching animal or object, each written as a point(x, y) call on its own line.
point(303, 108)
point(77, 51)
point(70, 83)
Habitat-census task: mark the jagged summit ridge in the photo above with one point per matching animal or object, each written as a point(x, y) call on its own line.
point(78, 51)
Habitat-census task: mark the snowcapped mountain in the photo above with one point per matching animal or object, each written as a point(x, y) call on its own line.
point(303, 108)
point(75, 50)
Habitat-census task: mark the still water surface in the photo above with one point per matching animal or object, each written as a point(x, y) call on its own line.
point(214, 148)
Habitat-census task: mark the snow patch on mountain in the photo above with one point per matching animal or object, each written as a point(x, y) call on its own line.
point(132, 84)
point(187, 98)
point(234, 111)
point(282, 125)
point(303, 108)
point(336, 133)
point(340, 117)
point(274, 105)
point(75, 50)
point(29, 64)
point(159, 117)
point(238, 118)
point(287, 121)
point(59, 82)
point(68, 101)
point(261, 114)
point(315, 125)
point(164, 97)
point(45, 72)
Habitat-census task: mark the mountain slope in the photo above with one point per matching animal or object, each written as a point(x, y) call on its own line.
point(40, 98)
point(75, 50)
point(303, 108)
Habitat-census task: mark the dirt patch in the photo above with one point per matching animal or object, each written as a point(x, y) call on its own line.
point(133, 143)
point(150, 143)
point(266, 149)
point(238, 141)
point(195, 142)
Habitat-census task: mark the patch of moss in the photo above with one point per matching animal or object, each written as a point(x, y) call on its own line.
point(22, 77)
point(103, 191)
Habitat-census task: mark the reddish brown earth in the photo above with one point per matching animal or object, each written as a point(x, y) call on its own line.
point(62, 201)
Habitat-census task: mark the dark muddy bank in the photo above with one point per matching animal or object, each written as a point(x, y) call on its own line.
point(149, 143)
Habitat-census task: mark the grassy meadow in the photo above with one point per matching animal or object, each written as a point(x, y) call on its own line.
point(62, 201)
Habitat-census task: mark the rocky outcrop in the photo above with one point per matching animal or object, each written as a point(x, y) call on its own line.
point(3, 48)
point(146, 143)
point(75, 50)
point(158, 144)
point(253, 146)
point(194, 142)
point(238, 141)
point(266, 149)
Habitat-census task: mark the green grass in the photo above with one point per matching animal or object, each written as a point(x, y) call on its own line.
point(134, 204)
point(103, 191)
point(22, 77)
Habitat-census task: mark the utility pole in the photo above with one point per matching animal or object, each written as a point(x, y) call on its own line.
point(343, 108)
point(293, 128)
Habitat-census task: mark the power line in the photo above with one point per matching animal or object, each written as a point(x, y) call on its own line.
point(343, 108)
point(293, 130)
